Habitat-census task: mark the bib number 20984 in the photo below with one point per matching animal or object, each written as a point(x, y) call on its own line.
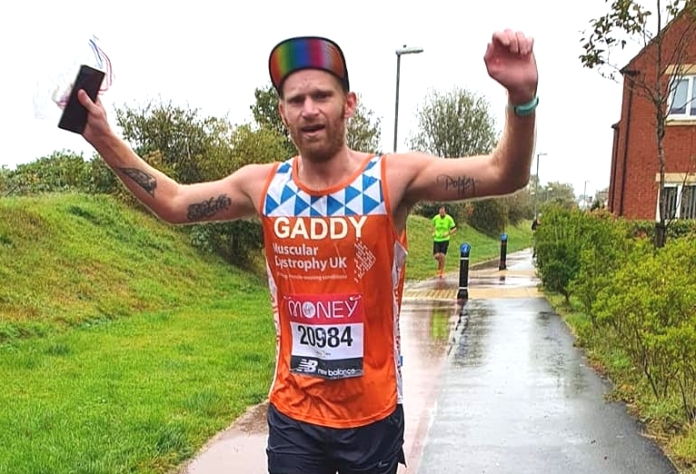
point(321, 337)
point(327, 332)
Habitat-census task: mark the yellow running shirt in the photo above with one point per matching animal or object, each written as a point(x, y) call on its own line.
point(335, 268)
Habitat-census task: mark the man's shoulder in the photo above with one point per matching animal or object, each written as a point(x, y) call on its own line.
point(253, 177)
point(258, 170)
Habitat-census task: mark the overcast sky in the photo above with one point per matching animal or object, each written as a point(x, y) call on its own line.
point(210, 55)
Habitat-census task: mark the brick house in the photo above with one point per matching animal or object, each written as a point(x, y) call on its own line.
point(634, 181)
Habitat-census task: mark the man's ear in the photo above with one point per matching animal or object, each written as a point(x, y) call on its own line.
point(351, 104)
point(281, 112)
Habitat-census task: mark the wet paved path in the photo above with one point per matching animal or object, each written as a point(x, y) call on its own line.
point(517, 397)
point(496, 388)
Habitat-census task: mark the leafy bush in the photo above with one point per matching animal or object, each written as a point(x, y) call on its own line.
point(59, 172)
point(488, 216)
point(640, 299)
point(604, 243)
point(430, 209)
point(577, 250)
point(235, 241)
point(648, 309)
point(519, 206)
point(675, 230)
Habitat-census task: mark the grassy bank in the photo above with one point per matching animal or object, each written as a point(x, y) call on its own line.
point(69, 260)
point(122, 348)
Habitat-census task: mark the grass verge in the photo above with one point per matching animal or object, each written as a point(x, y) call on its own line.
point(139, 394)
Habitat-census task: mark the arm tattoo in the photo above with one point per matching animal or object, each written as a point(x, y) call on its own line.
point(144, 180)
point(464, 186)
point(209, 207)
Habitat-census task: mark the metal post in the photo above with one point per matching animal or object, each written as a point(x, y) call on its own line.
point(536, 188)
point(396, 104)
point(399, 52)
point(536, 184)
point(503, 252)
point(463, 293)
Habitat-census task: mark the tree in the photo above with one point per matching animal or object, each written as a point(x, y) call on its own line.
point(191, 148)
point(664, 33)
point(458, 123)
point(519, 205)
point(266, 115)
point(559, 194)
point(252, 144)
point(454, 123)
point(184, 141)
point(362, 130)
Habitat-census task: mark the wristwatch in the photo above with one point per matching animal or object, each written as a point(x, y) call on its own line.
point(522, 110)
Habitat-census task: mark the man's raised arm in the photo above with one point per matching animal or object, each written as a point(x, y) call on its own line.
point(510, 61)
point(175, 203)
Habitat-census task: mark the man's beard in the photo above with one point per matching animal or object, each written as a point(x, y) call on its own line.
point(322, 150)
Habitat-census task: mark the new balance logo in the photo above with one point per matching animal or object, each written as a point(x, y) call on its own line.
point(308, 366)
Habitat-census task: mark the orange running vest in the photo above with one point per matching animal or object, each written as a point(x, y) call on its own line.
point(336, 272)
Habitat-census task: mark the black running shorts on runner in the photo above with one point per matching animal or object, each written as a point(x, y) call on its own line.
point(440, 247)
point(296, 447)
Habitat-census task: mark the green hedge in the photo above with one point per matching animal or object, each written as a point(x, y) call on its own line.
point(640, 300)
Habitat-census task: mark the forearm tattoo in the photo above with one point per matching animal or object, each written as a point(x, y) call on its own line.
point(463, 185)
point(209, 207)
point(144, 180)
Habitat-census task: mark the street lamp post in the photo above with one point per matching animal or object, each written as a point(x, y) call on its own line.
point(584, 195)
point(536, 184)
point(399, 52)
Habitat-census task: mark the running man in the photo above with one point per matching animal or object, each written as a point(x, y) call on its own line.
point(443, 228)
point(334, 223)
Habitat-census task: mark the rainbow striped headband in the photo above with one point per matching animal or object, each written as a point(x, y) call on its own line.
point(306, 52)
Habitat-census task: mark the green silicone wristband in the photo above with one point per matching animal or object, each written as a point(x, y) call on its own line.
point(523, 110)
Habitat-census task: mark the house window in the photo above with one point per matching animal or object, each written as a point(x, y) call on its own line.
point(687, 210)
point(671, 195)
point(680, 201)
point(682, 101)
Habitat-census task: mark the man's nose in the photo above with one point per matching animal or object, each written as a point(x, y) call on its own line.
point(309, 107)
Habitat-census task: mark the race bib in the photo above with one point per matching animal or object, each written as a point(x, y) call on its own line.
point(327, 335)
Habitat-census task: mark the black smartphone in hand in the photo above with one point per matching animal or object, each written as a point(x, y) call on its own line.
point(74, 117)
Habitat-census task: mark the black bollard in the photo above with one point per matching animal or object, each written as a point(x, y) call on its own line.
point(503, 252)
point(463, 293)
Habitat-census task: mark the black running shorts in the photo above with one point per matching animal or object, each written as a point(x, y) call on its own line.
point(296, 447)
point(440, 247)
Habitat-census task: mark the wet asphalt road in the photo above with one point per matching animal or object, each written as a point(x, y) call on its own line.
point(517, 397)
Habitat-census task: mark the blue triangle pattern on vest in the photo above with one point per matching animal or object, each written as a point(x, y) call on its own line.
point(368, 181)
point(317, 206)
point(333, 206)
point(363, 196)
point(300, 206)
point(271, 205)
